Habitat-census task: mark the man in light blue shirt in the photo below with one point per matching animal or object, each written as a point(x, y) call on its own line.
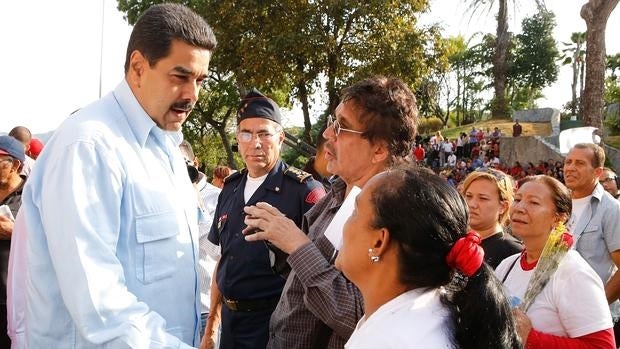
point(112, 243)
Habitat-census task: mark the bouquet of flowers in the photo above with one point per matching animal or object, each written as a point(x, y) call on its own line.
point(556, 247)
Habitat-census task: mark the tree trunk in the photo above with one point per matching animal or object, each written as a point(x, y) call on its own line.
point(302, 90)
point(458, 98)
point(595, 13)
point(332, 93)
point(500, 62)
point(573, 106)
point(582, 74)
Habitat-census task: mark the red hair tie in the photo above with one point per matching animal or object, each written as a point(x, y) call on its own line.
point(466, 255)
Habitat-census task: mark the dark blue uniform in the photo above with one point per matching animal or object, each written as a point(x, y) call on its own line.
point(249, 286)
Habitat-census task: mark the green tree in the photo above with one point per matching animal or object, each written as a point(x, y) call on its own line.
point(289, 48)
point(533, 65)
point(474, 76)
point(612, 82)
point(595, 13)
point(499, 105)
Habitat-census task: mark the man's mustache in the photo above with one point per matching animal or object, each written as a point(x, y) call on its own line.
point(186, 106)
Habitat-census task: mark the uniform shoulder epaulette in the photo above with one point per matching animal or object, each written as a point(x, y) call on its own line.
point(297, 174)
point(234, 176)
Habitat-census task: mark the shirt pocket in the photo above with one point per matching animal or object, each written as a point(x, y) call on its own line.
point(590, 240)
point(157, 245)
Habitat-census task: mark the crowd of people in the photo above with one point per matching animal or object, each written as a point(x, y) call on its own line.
point(454, 159)
point(115, 239)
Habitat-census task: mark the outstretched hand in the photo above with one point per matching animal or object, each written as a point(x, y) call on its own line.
point(523, 323)
point(265, 222)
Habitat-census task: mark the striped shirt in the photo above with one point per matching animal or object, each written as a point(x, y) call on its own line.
point(208, 252)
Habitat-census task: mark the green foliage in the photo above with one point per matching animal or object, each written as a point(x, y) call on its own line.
point(289, 48)
point(534, 60)
point(612, 123)
point(612, 91)
point(501, 50)
point(612, 82)
point(429, 125)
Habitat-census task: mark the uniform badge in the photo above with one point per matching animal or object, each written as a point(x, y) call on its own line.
point(221, 221)
point(315, 195)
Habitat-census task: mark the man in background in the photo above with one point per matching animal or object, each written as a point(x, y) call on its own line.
point(208, 252)
point(517, 129)
point(11, 187)
point(24, 136)
point(317, 165)
point(250, 275)
point(608, 180)
point(595, 220)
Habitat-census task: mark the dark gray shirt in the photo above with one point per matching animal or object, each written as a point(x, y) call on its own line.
point(319, 307)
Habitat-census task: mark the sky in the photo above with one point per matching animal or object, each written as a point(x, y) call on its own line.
point(55, 57)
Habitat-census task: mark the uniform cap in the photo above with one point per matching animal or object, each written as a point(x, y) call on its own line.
point(256, 105)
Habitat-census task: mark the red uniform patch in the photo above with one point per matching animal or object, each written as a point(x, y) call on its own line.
point(315, 195)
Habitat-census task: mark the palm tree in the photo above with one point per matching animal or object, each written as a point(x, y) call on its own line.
point(574, 54)
point(499, 106)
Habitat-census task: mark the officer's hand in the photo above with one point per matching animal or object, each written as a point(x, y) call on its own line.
point(265, 222)
point(207, 343)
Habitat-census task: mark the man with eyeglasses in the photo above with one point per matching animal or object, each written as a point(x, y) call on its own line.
point(250, 275)
point(609, 181)
point(372, 129)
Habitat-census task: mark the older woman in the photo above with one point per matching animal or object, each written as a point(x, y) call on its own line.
point(422, 276)
point(571, 310)
point(489, 193)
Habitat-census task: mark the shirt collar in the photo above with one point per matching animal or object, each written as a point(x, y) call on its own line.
point(598, 192)
point(139, 121)
point(275, 176)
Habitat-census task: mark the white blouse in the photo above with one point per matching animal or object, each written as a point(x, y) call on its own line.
point(414, 319)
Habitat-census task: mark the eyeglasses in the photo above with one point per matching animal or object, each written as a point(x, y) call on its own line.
point(244, 136)
point(333, 122)
point(606, 180)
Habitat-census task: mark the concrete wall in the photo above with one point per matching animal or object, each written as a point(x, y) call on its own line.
point(543, 115)
point(533, 149)
point(527, 149)
point(613, 155)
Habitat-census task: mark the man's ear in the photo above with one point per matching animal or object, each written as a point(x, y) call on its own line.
point(381, 152)
point(598, 171)
point(137, 65)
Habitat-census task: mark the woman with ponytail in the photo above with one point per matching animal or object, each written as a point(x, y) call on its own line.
point(422, 276)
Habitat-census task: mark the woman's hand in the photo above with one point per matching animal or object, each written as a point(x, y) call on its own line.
point(523, 323)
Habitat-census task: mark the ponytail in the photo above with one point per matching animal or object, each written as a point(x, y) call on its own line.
point(435, 252)
point(481, 316)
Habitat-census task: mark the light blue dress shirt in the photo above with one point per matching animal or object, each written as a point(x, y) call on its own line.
point(113, 234)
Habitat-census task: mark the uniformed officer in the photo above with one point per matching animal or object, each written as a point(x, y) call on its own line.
point(249, 277)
